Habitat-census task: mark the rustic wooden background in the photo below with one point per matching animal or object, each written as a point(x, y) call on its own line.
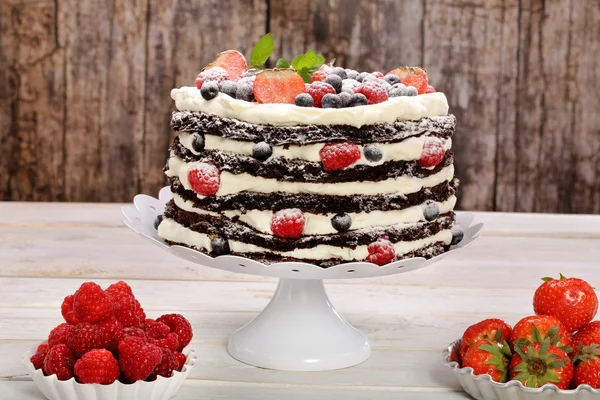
point(84, 86)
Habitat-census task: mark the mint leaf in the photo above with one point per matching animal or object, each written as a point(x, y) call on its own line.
point(262, 50)
point(310, 61)
point(305, 75)
point(282, 63)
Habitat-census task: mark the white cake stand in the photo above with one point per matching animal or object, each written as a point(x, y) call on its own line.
point(299, 330)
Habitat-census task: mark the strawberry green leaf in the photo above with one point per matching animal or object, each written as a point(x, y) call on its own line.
point(537, 336)
point(547, 279)
point(562, 277)
point(282, 63)
point(498, 336)
point(262, 50)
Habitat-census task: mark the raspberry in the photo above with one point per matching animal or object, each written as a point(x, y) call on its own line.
point(91, 304)
point(161, 335)
point(167, 365)
point(137, 358)
point(125, 312)
point(38, 358)
point(67, 312)
point(429, 89)
point(381, 252)
point(373, 91)
point(278, 86)
point(171, 341)
point(180, 326)
point(119, 289)
point(432, 153)
point(377, 74)
point(58, 335)
point(319, 89)
point(139, 312)
point(134, 332)
point(204, 179)
point(181, 359)
point(83, 337)
point(217, 74)
point(97, 366)
point(59, 361)
point(318, 75)
point(337, 156)
point(288, 223)
point(232, 61)
point(157, 330)
point(111, 333)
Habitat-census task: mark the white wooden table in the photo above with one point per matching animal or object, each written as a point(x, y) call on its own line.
point(48, 250)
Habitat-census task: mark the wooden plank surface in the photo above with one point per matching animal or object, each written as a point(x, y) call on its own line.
point(84, 86)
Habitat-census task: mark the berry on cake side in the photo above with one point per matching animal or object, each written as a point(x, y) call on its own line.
point(310, 162)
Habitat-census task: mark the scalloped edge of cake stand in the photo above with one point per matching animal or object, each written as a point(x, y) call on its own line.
point(140, 218)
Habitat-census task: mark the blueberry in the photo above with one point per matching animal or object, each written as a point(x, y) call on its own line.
point(351, 74)
point(335, 81)
point(341, 72)
point(411, 91)
point(362, 76)
point(457, 235)
point(229, 88)
point(341, 222)
point(391, 79)
point(370, 77)
point(262, 151)
point(244, 92)
point(198, 142)
point(345, 98)
point(210, 90)
point(395, 92)
point(157, 221)
point(304, 100)
point(358, 99)
point(219, 246)
point(372, 153)
point(331, 101)
point(430, 210)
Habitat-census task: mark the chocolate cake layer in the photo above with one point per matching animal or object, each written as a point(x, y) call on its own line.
point(313, 203)
point(283, 169)
point(233, 230)
point(425, 252)
point(187, 121)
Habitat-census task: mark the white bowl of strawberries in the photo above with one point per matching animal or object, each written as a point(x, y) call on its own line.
point(554, 354)
point(108, 349)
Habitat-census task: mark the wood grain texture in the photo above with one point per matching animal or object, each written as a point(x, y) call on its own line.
point(88, 82)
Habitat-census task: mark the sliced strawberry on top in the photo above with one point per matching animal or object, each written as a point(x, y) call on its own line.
point(278, 86)
point(412, 76)
point(231, 61)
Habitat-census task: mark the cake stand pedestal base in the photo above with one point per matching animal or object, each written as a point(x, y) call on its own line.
point(299, 330)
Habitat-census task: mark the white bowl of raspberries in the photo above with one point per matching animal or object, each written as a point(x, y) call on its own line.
point(108, 349)
point(554, 354)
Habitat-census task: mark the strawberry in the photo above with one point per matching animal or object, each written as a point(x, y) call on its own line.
point(288, 223)
point(205, 179)
point(231, 61)
point(488, 357)
point(337, 156)
point(536, 328)
point(587, 367)
point(317, 90)
point(412, 76)
point(571, 300)
point(587, 335)
point(381, 252)
point(59, 361)
point(97, 366)
point(493, 329)
point(137, 358)
point(432, 153)
point(40, 355)
point(179, 325)
point(541, 363)
point(278, 86)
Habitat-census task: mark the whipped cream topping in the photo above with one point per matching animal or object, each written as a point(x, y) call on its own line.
point(235, 183)
point(396, 108)
point(407, 150)
point(172, 230)
point(320, 224)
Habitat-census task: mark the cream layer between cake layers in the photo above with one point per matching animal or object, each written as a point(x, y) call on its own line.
point(393, 205)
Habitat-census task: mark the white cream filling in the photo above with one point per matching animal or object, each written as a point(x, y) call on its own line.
point(396, 108)
point(171, 230)
point(407, 150)
point(235, 183)
point(320, 224)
